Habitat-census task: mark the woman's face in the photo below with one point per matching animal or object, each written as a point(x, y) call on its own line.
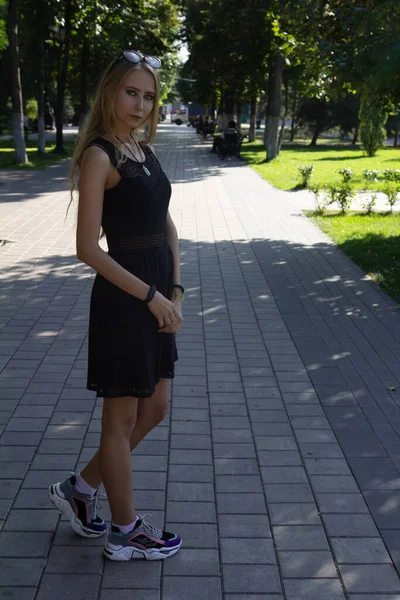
point(135, 98)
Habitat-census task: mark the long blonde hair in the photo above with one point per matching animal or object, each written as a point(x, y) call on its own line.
point(100, 120)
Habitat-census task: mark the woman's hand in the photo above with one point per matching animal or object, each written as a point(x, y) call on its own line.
point(174, 327)
point(164, 310)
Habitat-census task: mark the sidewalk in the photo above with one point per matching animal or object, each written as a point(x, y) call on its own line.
point(279, 462)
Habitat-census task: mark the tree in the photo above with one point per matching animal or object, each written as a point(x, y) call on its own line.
point(16, 91)
point(373, 117)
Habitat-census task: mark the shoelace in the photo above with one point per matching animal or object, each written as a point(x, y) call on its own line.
point(152, 530)
point(94, 505)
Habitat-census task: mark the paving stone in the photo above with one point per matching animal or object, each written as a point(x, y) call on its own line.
point(242, 525)
point(350, 525)
point(131, 574)
point(334, 483)
point(321, 450)
point(253, 597)
point(191, 512)
point(60, 586)
point(190, 492)
point(384, 507)
point(191, 473)
point(18, 593)
point(195, 535)
point(327, 466)
point(193, 562)
point(28, 438)
point(374, 597)
point(250, 504)
point(313, 589)
point(190, 428)
point(13, 470)
point(375, 473)
point(364, 444)
point(195, 588)
point(360, 551)
point(129, 593)
point(238, 484)
point(14, 545)
point(332, 502)
point(227, 436)
point(265, 551)
point(228, 410)
point(190, 457)
point(60, 446)
point(75, 561)
point(288, 492)
point(300, 537)
point(307, 564)
point(234, 451)
point(370, 578)
point(9, 487)
point(251, 578)
point(294, 514)
point(275, 443)
point(31, 520)
point(5, 505)
point(16, 572)
point(190, 442)
point(283, 475)
point(235, 466)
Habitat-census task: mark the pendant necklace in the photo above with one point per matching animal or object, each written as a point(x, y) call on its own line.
point(145, 169)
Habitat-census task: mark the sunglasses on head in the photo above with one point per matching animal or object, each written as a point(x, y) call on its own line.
point(137, 57)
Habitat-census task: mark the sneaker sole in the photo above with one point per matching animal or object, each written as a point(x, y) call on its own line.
point(64, 506)
point(125, 553)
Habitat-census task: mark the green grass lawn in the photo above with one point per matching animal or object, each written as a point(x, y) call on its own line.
point(36, 160)
point(327, 158)
point(372, 241)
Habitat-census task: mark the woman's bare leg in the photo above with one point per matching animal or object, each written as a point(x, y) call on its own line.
point(150, 412)
point(118, 420)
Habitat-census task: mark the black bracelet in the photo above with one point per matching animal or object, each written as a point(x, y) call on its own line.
point(150, 294)
point(180, 287)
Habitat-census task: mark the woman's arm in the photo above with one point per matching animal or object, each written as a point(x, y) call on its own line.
point(173, 242)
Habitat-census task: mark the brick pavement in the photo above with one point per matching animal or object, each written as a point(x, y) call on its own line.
point(279, 461)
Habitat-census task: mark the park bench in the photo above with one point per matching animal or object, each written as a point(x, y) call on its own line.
point(230, 145)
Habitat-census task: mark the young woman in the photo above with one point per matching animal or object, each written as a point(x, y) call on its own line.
point(135, 308)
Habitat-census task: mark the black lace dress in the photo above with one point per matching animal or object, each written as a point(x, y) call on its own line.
point(127, 355)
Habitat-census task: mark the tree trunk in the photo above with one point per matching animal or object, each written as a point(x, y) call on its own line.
point(40, 100)
point(316, 135)
point(239, 117)
point(274, 108)
point(84, 104)
point(16, 91)
point(396, 136)
point(228, 115)
point(294, 108)
point(282, 131)
point(252, 130)
point(355, 138)
point(62, 80)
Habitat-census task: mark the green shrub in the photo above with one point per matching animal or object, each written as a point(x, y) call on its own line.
point(347, 174)
point(391, 175)
point(341, 193)
point(369, 204)
point(370, 176)
point(32, 109)
point(391, 191)
point(372, 117)
point(306, 172)
point(316, 189)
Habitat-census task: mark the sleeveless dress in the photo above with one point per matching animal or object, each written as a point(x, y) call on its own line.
point(127, 356)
